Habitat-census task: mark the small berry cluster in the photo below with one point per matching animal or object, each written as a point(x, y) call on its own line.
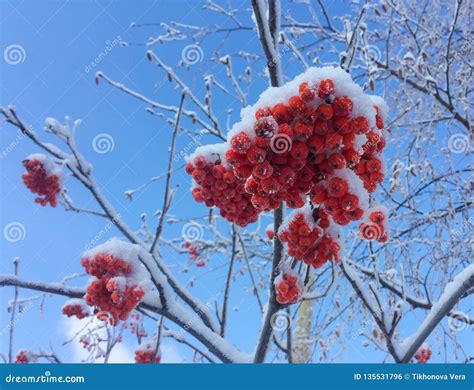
point(24, 357)
point(147, 354)
point(310, 241)
point(195, 253)
point(289, 288)
point(77, 310)
point(337, 200)
point(136, 325)
point(110, 292)
point(39, 180)
point(375, 228)
point(90, 341)
point(270, 232)
point(218, 186)
point(423, 354)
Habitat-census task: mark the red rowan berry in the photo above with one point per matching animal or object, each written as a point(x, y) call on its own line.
point(325, 111)
point(337, 187)
point(325, 89)
point(281, 114)
point(263, 112)
point(296, 105)
point(303, 129)
point(337, 160)
point(306, 92)
point(320, 127)
point(241, 142)
point(342, 106)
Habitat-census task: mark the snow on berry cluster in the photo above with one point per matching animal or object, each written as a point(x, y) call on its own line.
point(375, 226)
point(423, 354)
point(310, 237)
point(148, 353)
point(119, 280)
point(76, 307)
point(43, 177)
point(288, 286)
point(319, 135)
point(24, 357)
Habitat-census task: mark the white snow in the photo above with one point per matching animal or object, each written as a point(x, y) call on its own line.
point(356, 186)
point(51, 168)
point(77, 302)
point(130, 254)
point(343, 86)
point(211, 153)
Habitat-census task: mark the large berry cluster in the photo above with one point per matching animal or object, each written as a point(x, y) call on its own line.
point(116, 288)
point(110, 292)
point(44, 178)
point(77, 308)
point(318, 136)
point(423, 354)
point(147, 354)
point(289, 288)
point(310, 237)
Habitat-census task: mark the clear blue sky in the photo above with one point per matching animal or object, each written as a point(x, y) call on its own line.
point(60, 40)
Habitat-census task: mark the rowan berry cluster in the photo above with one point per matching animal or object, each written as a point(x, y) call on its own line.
point(338, 201)
point(423, 354)
point(289, 288)
point(24, 357)
point(111, 291)
point(375, 227)
point(218, 186)
point(310, 238)
point(195, 253)
point(136, 325)
point(319, 142)
point(42, 178)
point(147, 354)
point(90, 341)
point(77, 309)
point(270, 232)
point(319, 139)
